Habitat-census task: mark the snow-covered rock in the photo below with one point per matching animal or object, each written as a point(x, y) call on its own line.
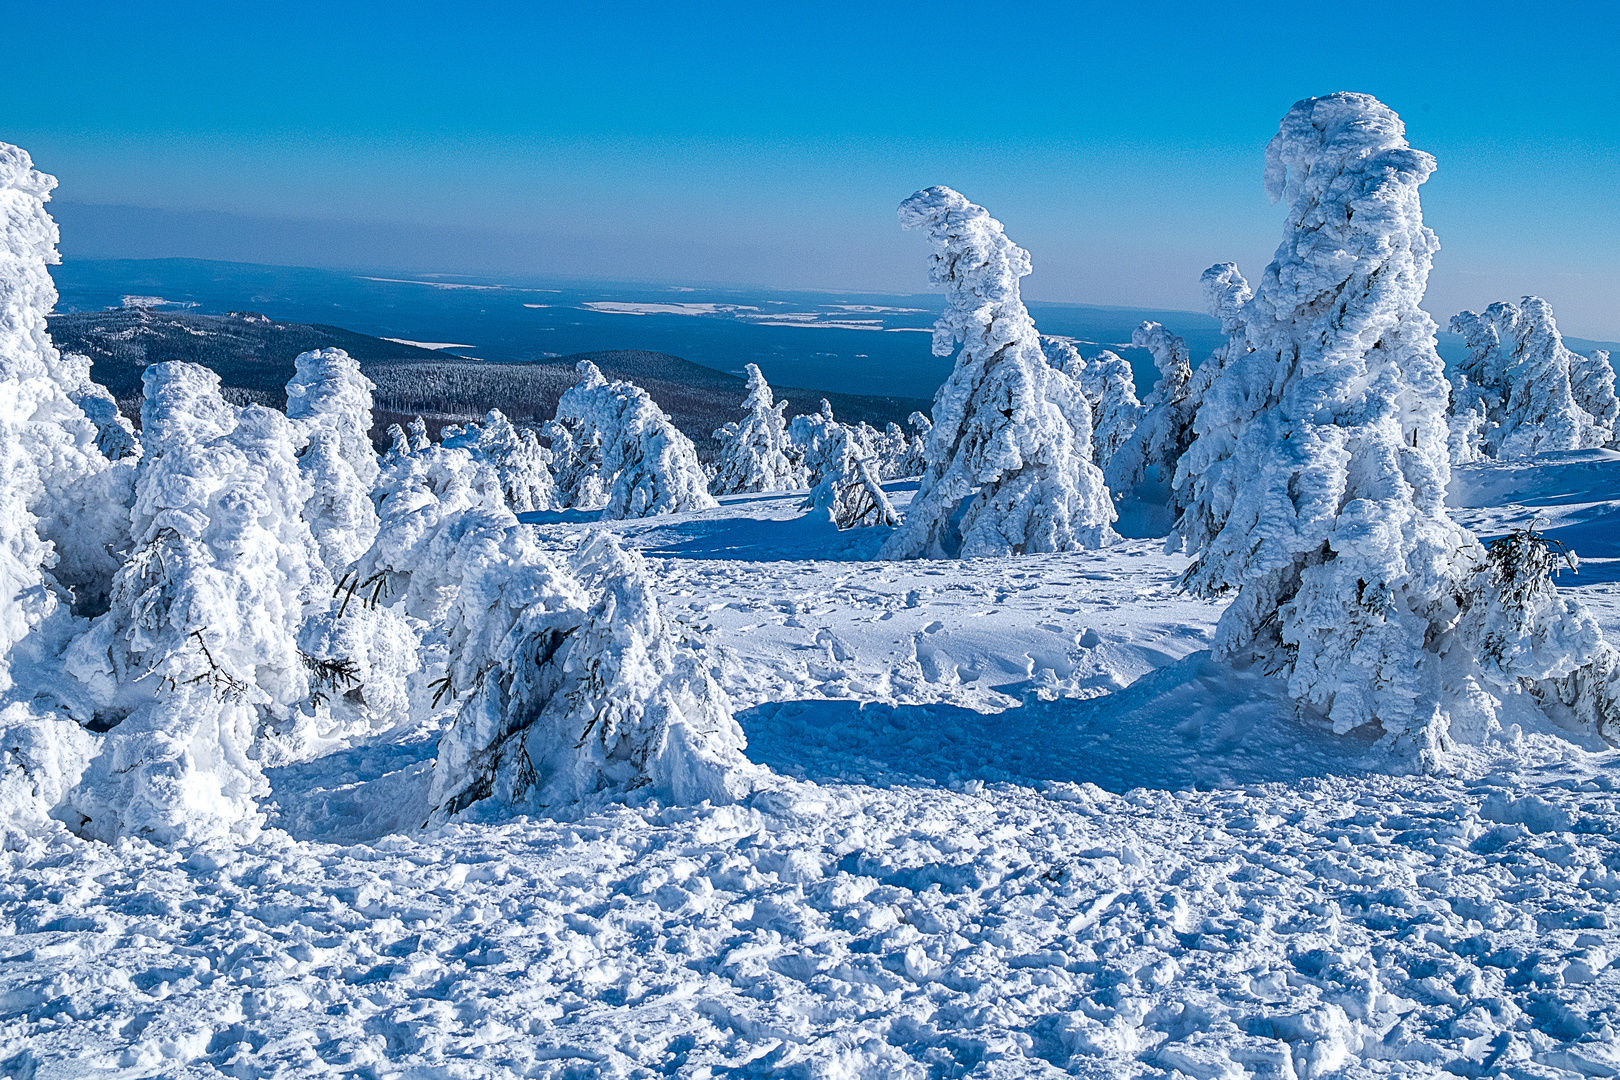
point(755, 452)
point(1011, 435)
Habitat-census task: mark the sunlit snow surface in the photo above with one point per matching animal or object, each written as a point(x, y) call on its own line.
point(1020, 826)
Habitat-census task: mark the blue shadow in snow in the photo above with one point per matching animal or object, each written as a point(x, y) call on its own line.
point(1192, 724)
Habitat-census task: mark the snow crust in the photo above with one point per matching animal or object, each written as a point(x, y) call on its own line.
point(1009, 467)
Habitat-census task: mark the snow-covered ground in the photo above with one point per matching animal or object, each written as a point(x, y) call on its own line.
point(1018, 824)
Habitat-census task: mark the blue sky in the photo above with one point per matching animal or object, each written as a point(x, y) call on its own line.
point(769, 143)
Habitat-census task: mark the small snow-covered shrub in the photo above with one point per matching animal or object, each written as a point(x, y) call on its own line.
point(843, 471)
point(582, 687)
point(198, 653)
point(522, 465)
point(1524, 380)
point(623, 444)
point(1011, 435)
point(755, 452)
point(917, 448)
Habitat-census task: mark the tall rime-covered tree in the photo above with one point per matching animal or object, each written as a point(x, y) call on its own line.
point(330, 400)
point(1322, 452)
point(1004, 439)
point(1162, 434)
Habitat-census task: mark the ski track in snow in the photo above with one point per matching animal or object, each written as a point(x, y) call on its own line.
point(981, 855)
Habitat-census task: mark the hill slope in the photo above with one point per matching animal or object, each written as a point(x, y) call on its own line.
point(253, 356)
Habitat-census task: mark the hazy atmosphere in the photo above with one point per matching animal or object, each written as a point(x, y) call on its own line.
point(766, 144)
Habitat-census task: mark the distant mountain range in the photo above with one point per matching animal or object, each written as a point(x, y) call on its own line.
point(253, 356)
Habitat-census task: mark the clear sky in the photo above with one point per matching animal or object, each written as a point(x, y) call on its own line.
point(769, 143)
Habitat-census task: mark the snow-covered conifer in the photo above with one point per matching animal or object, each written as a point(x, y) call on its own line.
point(1165, 428)
point(843, 472)
point(579, 685)
point(755, 454)
point(1591, 378)
point(115, 434)
point(63, 510)
point(1003, 436)
point(198, 652)
point(1526, 381)
point(1320, 492)
point(521, 463)
point(330, 401)
point(917, 448)
point(646, 465)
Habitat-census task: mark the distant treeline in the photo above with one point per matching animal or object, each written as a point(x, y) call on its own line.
point(253, 356)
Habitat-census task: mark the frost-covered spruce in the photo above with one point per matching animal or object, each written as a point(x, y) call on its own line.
point(576, 444)
point(917, 447)
point(1110, 393)
point(1165, 428)
point(1321, 494)
point(63, 511)
point(1207, 494)
point(755, 453)
point(521, 463)
point(1591, 378)
point(646, 465)
point(198, 652)
point(843, 471)
point(1004, 438)
point(578, 686)
point(890, 448)
point(115, 434)
point(330, 401)
point(1525, 378)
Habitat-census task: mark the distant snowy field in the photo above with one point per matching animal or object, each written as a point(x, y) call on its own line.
point(1019, 826)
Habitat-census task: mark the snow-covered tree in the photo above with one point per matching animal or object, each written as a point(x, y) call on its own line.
point(1165, 429)
point(1110, 391)
point(1321, 455)
point(577, 684)
point(115, 434)
point(917, 447)
point(843, 472)
point(521, 463)
point(576, 444)
point(1524, 378)
point(646, 465)
point(890, 448)
point(1005, 436)
point(198, 651)
point(755, 454)
point(330, 401)
point(1591, 379)
point(63, 507)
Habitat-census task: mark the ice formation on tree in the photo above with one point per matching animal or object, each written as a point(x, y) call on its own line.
point(755, 453)
point(198, 652)
point(330, 401)
point(917, 448)
point(61, 524)
point(522, 465)
point(890, 448)
point(843, 470)
point(1011, 435)
point(625, 445)
point(1533, 393)
point(115, 434)
point(576, 684)
point(1321, 459)
point(1165, 428)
